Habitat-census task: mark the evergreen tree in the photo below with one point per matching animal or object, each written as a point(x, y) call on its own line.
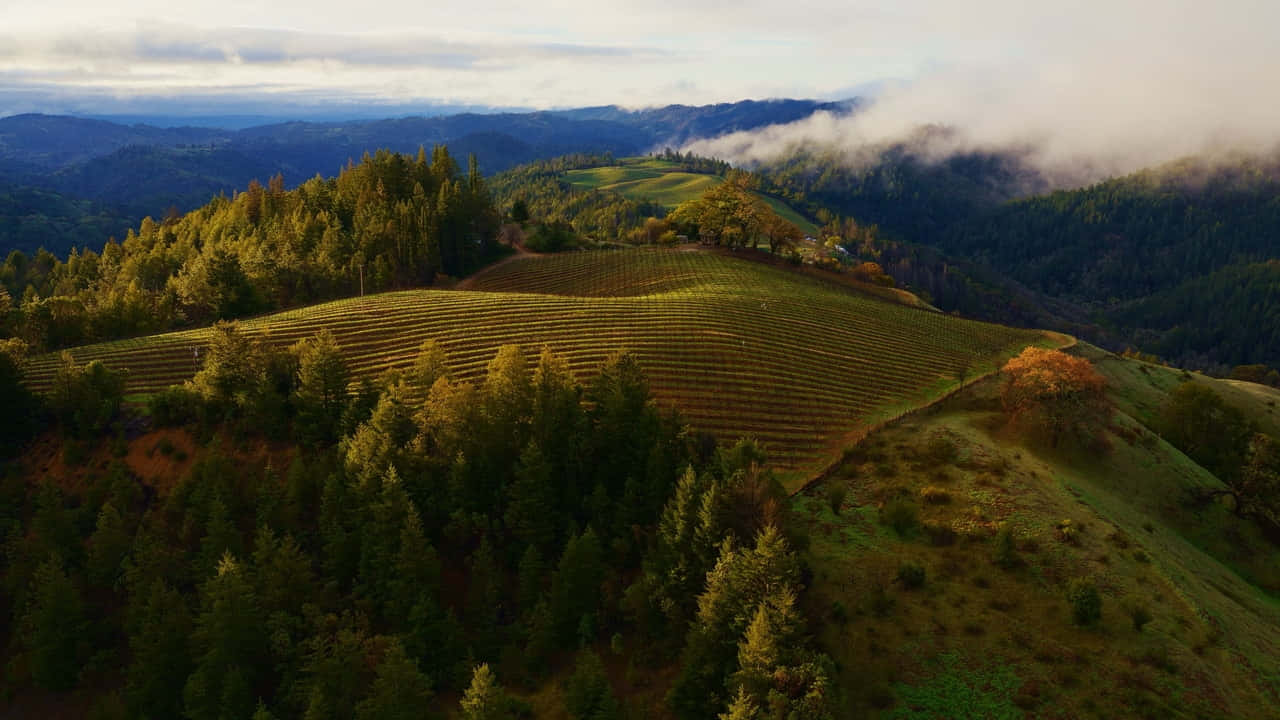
point(484, 599)
point(531, 501)
point(431, 364)
point(400, 691)
point(54, 627)
point(485, 698)
point(383, 441)
point(575, 590)
point(322, 394)
point(227, 646)
point(107, 547)
point(743, 707)
point(588, 695)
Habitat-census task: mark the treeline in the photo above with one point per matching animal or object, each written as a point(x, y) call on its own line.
point(547, 200)
point(435, 536)
point(537, 193)
point(390, 221)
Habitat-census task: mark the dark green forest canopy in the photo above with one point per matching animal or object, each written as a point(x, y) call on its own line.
point(1133, 261)
point(388, 222)
point(432, 532)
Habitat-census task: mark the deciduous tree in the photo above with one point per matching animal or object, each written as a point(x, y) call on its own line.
point(1056, 393)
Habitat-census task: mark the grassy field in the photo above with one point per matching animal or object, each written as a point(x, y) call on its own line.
point(997, 638)
point(662, 182)
point(738, 347)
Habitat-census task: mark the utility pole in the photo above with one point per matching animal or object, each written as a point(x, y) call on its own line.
point(362, 280)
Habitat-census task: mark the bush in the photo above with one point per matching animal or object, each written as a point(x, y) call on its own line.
point(836, 495)
point(1140, 616)
point(941, 451)
point(551, 237)
point(911, 575)
point(1068, 532)
point(1004, 551)
point(1086, 602)
point(940, 534)
point(175, 406)
point(934, 495)
point(900, 514)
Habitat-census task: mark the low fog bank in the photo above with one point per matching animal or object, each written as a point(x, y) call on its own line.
point(1078, 97)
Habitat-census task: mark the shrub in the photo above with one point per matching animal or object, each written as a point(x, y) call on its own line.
point(940, 534)
point(900, 514)
point(941, 451)
point(839, 613)
point(911, 575)
point(881, 601)
point(934, 495)
point(1086, 602)
point(1068, 532)
point(175, 406)
point(1140, 616)
point(836, 495)
point(1004, 551)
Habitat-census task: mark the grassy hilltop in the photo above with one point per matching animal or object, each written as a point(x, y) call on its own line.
point(739, 348)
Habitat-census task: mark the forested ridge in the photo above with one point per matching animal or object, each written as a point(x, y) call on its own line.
point(390, 221)
point(1116, 261)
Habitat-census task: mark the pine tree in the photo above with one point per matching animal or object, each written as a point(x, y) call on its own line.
point(322, 394)
point(588, 695)
point(485, 698)
point(531, 501)
point(160, 659)
point(743, 707)
point(531, 578)
point(484, 599)
point(107, 547)
point(400, 691)
point(228, 646)
point(383, 441)
point(54, 627)
point(575, 590)
point(431, 364)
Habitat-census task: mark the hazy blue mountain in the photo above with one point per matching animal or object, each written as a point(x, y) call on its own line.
point(144, 168)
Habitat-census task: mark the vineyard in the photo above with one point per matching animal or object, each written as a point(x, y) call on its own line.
point(662, 182)
point(739, 348)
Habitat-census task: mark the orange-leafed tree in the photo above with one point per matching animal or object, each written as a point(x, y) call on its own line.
point(1055, 393)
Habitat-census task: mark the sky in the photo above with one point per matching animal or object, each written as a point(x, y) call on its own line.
point(92, 56)
point(1091, 86)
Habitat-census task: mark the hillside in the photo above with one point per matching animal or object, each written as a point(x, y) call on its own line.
point(665, 183)
point(992, 633)
point(710, 331)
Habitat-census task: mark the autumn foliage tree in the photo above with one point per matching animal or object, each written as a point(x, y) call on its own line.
point(1055, 393)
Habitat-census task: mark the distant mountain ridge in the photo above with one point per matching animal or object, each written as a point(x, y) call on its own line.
point(131, 171)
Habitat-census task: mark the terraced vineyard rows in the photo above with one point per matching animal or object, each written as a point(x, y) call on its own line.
point(738, 347)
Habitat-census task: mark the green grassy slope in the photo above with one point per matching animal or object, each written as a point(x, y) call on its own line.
point(740, 348)
point(999, 641)
point(662, 182)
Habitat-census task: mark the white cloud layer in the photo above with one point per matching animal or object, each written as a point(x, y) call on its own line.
point(1099, 89)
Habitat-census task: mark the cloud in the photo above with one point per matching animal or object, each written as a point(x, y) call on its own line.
point(1086, 92)
point(176, 44)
